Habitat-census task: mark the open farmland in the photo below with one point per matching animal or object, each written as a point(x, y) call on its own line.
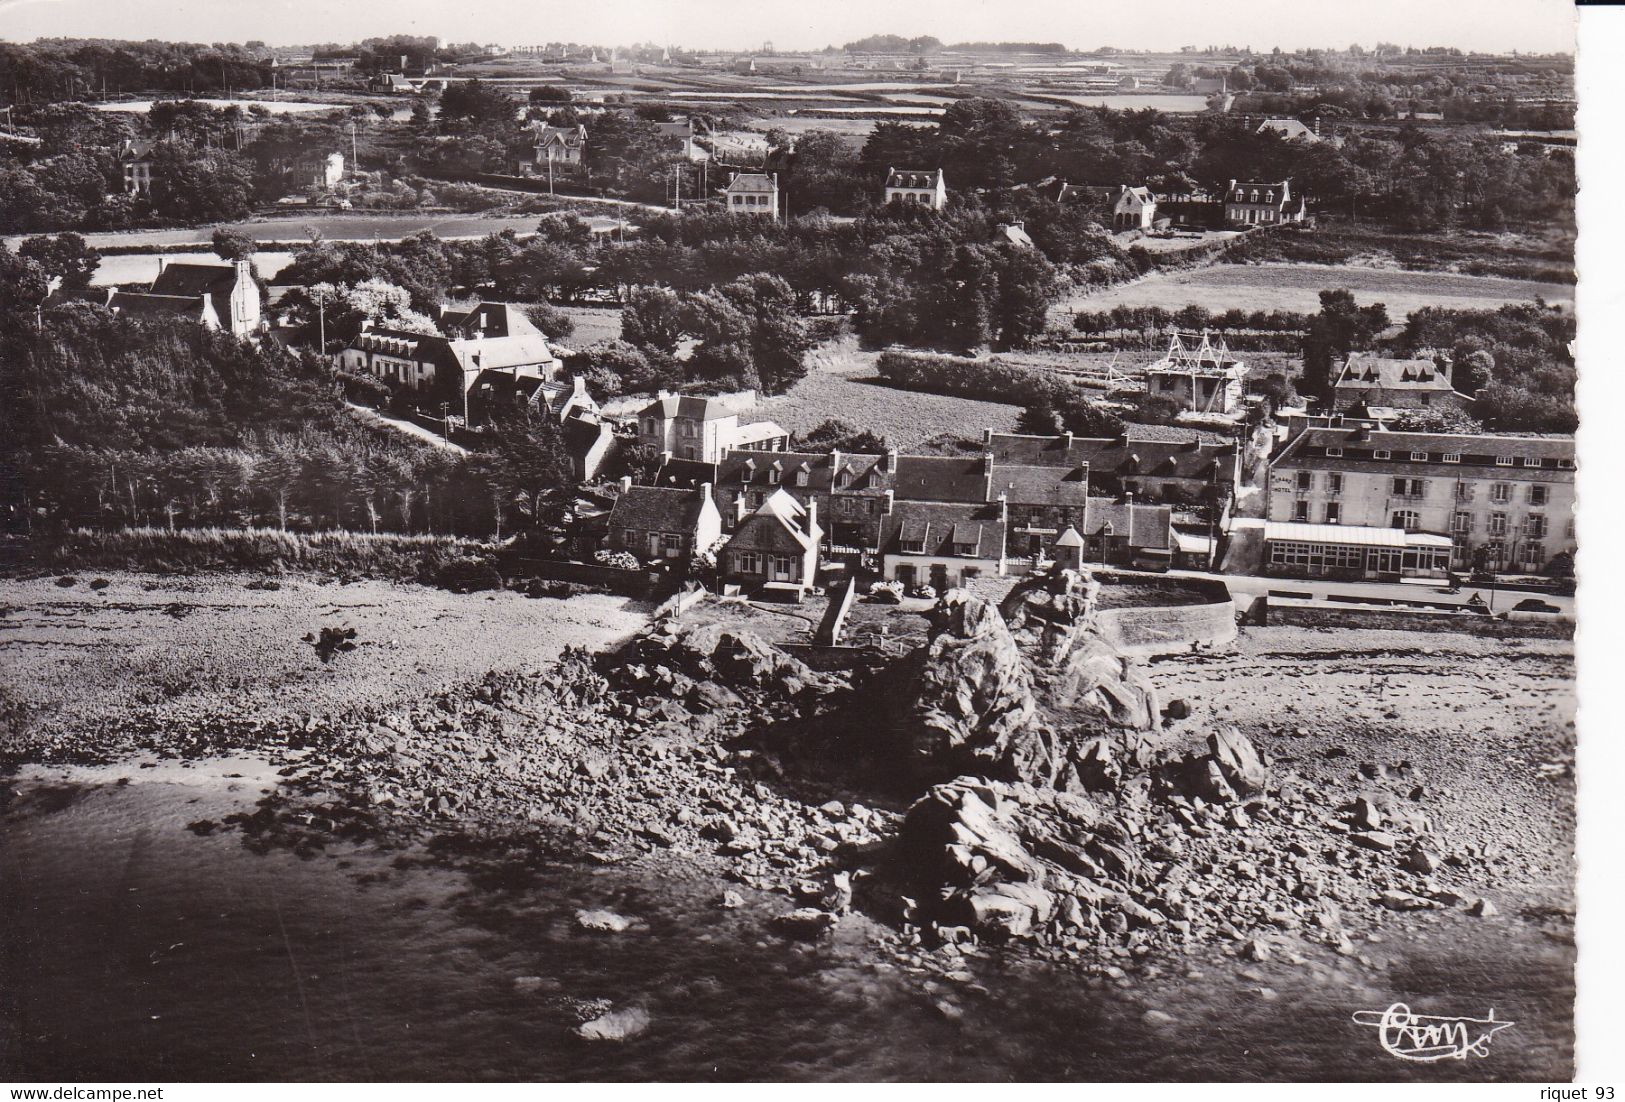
point(1297, 287)
point(842, 382)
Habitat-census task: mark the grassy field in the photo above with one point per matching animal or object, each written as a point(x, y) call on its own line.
point(594, 325)
point(1298, 286)
point(842, 383)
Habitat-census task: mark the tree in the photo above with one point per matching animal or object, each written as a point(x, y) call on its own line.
point(530, 467)
point(23, 285)
point(476, 103)
point(1039, 419)
point(652, 318)
point(65, 257)
point(233, 245)
point(1340, 328)
point(834, 434)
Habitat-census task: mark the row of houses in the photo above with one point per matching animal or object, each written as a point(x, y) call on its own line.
point(774, 516)
point(317, 168)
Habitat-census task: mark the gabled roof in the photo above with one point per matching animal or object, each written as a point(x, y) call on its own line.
point(1364, 370)
point(913, 178)
point(780, 523)
point(1146, 526)
point(573, 136)
point(686, 405)
point(137, 149)
point(1290, 129)
point(1040, 485)
point(753, 182)
point(940, 478)
point(1137, 196)
point(135, 304)
point(195, 279)
point(944, 528)
point(657, 509)
point(1167, 450)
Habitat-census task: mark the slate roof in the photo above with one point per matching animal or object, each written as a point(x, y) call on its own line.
point(135, 304)
point(942, 525)
point(1146, 526)
point(686, 405)
point(187, 279)
point(1166, 450)
point(657, 509)
point(1290, 129)
point(779, 524)
point(940, 478)
point(1363, 370)
point(1041, 485)
point(755, 182)
point(913, 178)
point(1307, 451)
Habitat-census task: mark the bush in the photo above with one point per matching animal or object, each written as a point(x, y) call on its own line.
point(620, 560)
point(987, 380)
point(468, 576)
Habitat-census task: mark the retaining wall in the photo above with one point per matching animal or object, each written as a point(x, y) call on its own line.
point(1395, 619)
point(1172, 629)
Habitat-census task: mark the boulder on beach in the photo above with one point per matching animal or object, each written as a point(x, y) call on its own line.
point(617, 1025)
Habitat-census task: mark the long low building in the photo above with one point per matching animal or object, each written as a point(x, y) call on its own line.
point(1353, 551)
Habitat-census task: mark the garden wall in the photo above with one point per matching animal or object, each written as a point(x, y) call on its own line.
point(1172, 629)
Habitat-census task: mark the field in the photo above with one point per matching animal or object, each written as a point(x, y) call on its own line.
point(1297, 287)
point(594, 325)
point(842, 383)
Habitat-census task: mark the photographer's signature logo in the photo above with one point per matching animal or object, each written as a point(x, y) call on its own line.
point(1426, 1037)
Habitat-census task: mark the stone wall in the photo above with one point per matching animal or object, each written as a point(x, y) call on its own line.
point(1171, 629)
point(1308, 614)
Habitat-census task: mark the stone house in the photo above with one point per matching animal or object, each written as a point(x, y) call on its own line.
point(664, 522)
point(1254, 203)
point(775, 548)
point(754, 193)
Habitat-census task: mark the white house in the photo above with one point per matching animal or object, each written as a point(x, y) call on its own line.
point(912, 186)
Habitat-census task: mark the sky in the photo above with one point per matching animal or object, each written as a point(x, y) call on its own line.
point(1488, 25)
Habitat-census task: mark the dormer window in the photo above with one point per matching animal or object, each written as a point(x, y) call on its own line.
point(1503, 461)
point(1565, 464)
point(1419, 457)
point(1381, 453)
point(801, 477)
point(1533, 461)
point(965, 550)
point(1451, 457)
point(1334, 452)
point(1269, 197)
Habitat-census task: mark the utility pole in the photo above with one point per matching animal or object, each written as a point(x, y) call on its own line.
point(353, 157)
point(550, 169)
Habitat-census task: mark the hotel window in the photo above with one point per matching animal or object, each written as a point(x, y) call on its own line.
point(1503, 461)
point(1419, 457)
point(1463, 522)
point(1565, 464)
point(1334, 452)
point(1533, 556)
point(1451, 457)
point(1464, 491)
point(1535, 527)
point(1334, 512)
point(1533, 461)
point(1407, 519)
point(1381, 453)
point(1537, 495)
point(1498, 524)
point(1306, 480)
point(1501, 492)
point(1409, 487)
point(1300, 510)
point(1334, 483)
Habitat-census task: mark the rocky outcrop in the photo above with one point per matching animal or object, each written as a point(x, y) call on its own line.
point(1231, 770)
point(1041, 700)
point(968, 695)
point(1014, 861)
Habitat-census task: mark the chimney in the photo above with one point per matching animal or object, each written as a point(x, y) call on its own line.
point(739, 508)
point(886, 510)
point(580, 385)
point(160, 265)
point(626, 483)
point(1066, 437)
point(243, 267)
point(812, 516)
point(705, 492)
point(987, 436)
point(834, 465)
point(890, 464)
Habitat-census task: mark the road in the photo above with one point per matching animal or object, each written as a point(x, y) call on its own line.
point(410, 428)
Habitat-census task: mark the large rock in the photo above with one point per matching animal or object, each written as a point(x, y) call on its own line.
point(967, 694)
point(1047, 704)
point(1009, 860)
point(1231, 770)
point(739, 660)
